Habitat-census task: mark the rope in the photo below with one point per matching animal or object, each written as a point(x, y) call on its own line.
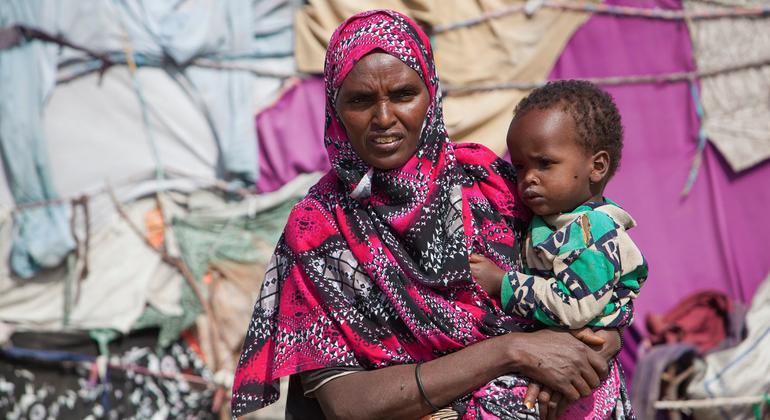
point(711, 402)
point(219, 65)
point(698, 158)
point(200, 182)
point(611, 81)
point(129, 52)
point(608, 9)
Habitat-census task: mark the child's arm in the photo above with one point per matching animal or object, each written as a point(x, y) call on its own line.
point(588, 287)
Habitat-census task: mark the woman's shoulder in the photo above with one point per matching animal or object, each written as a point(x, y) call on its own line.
point(311, 221)
point(474, 151)
point(477, 155)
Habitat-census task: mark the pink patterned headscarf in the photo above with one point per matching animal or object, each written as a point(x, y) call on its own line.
point(381, 277)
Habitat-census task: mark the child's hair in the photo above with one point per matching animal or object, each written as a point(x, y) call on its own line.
point(596, 116)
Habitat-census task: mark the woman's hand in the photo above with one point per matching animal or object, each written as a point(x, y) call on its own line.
point(553, 405)
point(557, 360)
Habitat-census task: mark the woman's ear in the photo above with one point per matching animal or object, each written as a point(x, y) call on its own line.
point(600, 162)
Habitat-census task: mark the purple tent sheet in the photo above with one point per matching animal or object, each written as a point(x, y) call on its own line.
point(715, 238)
point(290, 134)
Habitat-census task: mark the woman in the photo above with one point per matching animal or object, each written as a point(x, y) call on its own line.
point(371, 277)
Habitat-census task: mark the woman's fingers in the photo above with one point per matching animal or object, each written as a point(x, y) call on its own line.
point(591, 377)
point(553, 406)
point(476, 258)
point(533, 390)
point(569, 391)
point(588, 336)
point(582, 387)
point(543, 399)
point(563, 405)
point(599, 363)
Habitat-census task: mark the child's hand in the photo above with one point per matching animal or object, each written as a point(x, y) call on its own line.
point(587, 336)
point(487, 274)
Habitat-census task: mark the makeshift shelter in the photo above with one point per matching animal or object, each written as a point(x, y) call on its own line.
point(150, 156)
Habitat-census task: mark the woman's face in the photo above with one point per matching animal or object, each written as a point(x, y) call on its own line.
point(382, 104)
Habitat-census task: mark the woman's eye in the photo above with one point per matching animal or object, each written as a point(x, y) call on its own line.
point(404, 95)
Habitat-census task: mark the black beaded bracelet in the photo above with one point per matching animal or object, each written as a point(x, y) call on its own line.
point(422, 390)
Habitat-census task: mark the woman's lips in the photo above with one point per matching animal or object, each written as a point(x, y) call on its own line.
point(386, 144)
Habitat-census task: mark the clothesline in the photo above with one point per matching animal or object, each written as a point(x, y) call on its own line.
point(756, 403)
point(531, 7)
point(163, 185)
point(102, 60)
point(710, 402)
point(611, 81)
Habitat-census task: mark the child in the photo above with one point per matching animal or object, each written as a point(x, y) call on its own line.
point(581, 267)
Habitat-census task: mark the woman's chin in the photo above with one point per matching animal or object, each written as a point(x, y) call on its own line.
point(389, 161)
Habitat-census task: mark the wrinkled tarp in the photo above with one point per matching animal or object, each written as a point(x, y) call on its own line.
point(736, 104)
point(217, 241)
point(198, 115)
point(256, 32)
point(715, 238)
point(124, 274)
point(128, 287)
point(112, 146)
point(41, 236)
point(741, 371)
point(509, 48)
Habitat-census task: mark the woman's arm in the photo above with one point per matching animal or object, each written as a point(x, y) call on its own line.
point(553, 358)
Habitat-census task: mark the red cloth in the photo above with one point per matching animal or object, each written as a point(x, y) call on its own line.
point(701, 319)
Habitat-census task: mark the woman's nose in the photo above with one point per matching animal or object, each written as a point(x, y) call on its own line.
point(383, 115)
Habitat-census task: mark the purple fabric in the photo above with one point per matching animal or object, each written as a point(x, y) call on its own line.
point(290, 134)
point(717, 236)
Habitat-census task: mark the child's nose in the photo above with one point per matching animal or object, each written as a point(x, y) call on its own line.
point(530, 178)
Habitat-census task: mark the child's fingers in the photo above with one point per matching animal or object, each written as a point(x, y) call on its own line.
point(532, 392)
point(587, 336)
point(476, 258)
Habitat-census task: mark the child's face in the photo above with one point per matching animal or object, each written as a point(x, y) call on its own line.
point(553, 170)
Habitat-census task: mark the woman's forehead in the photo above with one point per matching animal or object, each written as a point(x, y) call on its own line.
point(380, 67)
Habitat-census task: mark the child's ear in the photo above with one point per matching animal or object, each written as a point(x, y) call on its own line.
point(600, 166)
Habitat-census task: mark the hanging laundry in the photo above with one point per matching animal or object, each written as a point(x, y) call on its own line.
point(42, 238)
point(736, 104)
